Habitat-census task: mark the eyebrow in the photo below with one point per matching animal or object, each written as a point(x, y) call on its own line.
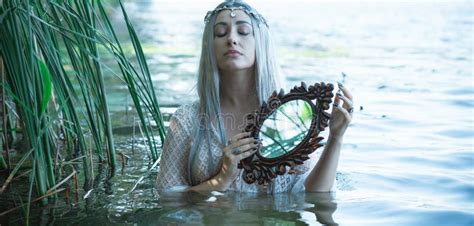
point(238, 23)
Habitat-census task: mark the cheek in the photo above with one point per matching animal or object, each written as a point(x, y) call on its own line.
point(217, 50)
point(252, 49)
point(215, 46)
point(219, 46)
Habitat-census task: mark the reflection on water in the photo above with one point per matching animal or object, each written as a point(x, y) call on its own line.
point(407, 157)
point(231, 209)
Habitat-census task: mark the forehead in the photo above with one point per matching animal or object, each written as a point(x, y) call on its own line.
point(224, 16)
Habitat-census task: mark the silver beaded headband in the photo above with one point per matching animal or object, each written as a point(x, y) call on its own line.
point(250, 12)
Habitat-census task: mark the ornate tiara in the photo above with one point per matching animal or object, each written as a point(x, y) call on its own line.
point(233, 5)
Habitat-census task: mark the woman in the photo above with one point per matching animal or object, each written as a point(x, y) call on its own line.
point(237, 73)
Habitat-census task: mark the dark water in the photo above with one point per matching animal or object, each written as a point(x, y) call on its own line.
point(407, 159)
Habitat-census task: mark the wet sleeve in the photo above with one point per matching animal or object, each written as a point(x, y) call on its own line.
point(173, 164)
point(303, 171)
point(294, 182)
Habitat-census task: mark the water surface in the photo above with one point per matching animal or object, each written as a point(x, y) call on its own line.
point(407, 157)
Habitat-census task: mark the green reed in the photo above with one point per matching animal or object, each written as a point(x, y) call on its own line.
point(53, 52)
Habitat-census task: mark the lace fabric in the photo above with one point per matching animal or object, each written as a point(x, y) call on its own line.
point(173, 171)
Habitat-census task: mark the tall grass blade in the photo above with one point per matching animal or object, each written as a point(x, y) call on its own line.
point(53, 52)
point(46, 84)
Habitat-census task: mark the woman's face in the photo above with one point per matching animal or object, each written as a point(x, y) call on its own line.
point(234, 43)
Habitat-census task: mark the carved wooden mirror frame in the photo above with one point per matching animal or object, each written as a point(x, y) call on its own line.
point(262, 170)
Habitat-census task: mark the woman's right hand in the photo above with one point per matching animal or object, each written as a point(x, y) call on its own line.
point(239, 147)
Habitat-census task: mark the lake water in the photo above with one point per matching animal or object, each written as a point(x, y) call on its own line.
point(408, 156)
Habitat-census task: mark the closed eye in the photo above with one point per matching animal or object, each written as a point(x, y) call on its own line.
point(221, 29)
point(220, 32)
point(244, 29)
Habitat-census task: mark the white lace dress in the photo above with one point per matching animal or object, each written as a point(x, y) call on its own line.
point(173, 171)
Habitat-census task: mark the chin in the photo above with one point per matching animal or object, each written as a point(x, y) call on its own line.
point(235, 66)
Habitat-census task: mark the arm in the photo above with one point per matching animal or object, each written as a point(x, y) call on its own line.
point(322, 176)
point(220, 182)
point(242, 148)
point(173, 162)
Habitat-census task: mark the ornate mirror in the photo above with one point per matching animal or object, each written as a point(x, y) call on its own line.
point(289, 126)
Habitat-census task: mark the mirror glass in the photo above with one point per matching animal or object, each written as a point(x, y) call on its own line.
point(285, 128)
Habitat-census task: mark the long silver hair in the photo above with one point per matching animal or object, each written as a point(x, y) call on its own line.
point(208, 85)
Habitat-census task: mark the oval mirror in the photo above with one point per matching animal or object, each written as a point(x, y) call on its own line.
point(289, 126)
point(285, 128)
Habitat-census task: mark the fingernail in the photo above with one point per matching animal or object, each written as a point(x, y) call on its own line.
point(340, 85)
point(338, 94)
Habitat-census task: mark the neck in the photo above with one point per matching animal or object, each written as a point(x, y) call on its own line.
point(238, 88)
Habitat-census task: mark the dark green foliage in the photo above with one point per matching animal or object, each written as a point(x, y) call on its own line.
point(53, 53)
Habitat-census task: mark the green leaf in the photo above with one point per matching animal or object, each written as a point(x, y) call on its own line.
point(307, 112)
point(47, 87)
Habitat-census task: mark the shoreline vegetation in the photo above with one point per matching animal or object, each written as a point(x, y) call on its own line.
point(54, 105)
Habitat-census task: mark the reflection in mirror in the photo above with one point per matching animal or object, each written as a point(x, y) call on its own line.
point(289, 126)
point(285, 128)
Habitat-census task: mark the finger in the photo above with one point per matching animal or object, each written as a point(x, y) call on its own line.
point(344, 112)
point(236, 151)
point(244, 141)
point(337, 102)
point(240, 136)
point(347, 103)
point(345, 91)
point(248, 147)
point(244, 145)
point(247, 154)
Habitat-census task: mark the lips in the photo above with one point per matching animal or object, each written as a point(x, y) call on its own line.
point(232, 52)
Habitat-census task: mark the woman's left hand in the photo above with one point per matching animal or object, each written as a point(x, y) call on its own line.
point(323, 174)
point(341, 114)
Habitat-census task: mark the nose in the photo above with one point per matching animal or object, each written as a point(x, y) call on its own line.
point(232, 39)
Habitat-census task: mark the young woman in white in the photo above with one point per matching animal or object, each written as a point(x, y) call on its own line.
point(237, 72)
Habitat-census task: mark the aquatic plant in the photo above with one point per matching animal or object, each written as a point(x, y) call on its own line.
point(53, 85)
